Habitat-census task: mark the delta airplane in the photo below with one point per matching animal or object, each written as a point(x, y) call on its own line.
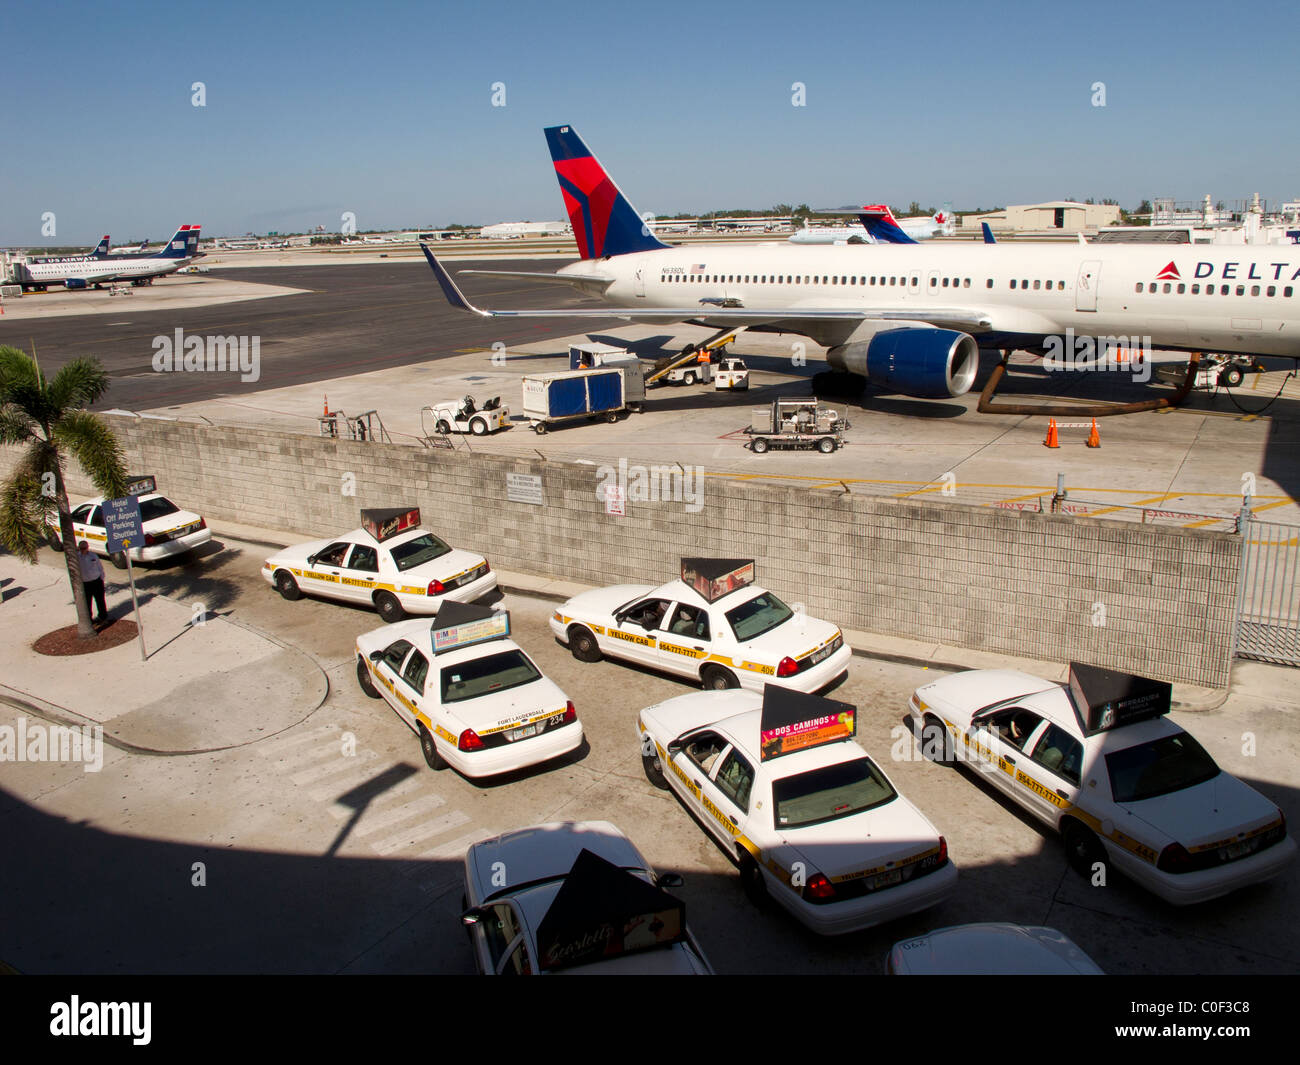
point(879, 226)
point(82, 273)
point(912, 319)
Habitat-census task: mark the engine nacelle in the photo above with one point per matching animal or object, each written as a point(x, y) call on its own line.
point(914, 360)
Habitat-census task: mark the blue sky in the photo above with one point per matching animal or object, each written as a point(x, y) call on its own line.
point(385, 109)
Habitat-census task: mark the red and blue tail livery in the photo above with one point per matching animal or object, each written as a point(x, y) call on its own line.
point(878, 220)
point(183, 244)
point(604, 222)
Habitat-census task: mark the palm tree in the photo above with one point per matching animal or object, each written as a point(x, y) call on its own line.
point(49, 420)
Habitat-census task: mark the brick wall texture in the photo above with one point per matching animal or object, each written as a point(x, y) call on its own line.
point(1151, 600)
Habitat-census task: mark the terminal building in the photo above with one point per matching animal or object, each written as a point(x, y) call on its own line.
point(1067, 216)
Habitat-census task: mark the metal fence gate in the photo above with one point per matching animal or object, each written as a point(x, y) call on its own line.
point(1268, 604)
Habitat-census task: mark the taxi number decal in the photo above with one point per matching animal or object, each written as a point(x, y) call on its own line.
point(888, 867)
point(719, 816)
point(1039, 790)
point(356, 582)
point(444, 734)
point(689, 652)
point(1241, 837)
point(522, 722)
point(757, 667)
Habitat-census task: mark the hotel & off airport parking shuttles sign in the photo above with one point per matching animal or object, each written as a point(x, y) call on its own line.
point(125, 530)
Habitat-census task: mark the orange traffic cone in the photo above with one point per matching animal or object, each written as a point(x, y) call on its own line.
point(327, 408)
point(1094, 438)
point(1051, 440)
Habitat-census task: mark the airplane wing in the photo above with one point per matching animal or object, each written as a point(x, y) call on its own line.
point(941, 317)
point(564, 279)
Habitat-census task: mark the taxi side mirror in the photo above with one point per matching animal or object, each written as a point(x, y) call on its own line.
point(311, 560)
point(471, 917)
point(669, 880)
point(375, 656)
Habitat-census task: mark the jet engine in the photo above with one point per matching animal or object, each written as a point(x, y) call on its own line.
point(916, 361)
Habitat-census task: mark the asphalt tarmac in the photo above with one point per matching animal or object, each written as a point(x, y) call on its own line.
point(351, 319)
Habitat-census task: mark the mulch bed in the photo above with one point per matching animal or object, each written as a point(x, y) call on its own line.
point(65, 641)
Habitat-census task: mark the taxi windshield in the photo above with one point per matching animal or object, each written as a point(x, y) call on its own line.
point(828, 793)
point(1160, 767)
point(156, 508)
point(423, 548)
point(486, 676)
point(756, 616)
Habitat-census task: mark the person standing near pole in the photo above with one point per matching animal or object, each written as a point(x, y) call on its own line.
point(92, 580)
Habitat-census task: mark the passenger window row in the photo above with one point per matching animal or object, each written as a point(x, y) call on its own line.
point(1224, 290)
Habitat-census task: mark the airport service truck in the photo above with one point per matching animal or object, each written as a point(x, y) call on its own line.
point(795, 424)
point(593, 356)
point(552, 398)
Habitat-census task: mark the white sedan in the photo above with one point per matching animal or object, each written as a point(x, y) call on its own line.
point(168, 530)
point(574, 897)
point(1097, 760)
point(476, 701)
point(410, 571)
point(814, 824)
point(744, 637)
point(993, 949)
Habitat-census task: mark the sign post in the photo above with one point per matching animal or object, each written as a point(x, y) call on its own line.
point(123, 527)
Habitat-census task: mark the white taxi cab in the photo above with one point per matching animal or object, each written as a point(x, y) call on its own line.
point(476, 701)
point(1097, 760)
point(390, 562)
point(714, 625)
point(992, 949)
point(168, 530)
point(574, 897)
point(810, 819)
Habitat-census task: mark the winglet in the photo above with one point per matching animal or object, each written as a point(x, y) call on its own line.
point(988, 233)
point(449, 287)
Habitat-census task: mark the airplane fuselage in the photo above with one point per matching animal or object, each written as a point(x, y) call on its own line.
point(1190, 298)
point(97, 271)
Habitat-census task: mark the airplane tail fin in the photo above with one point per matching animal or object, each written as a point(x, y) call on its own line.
point(101, 249)
point(144, 246)
point(183, 244)
point(604, 221)
point(878, 220)
point(945, 220)
point(988, 233)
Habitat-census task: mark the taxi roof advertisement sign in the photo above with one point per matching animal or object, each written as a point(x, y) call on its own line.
point(463, 633)
point(793, 721)
point(601, 912)
point(141, 485)
point(389, 521)
point(715, 577)
point(1105, 699)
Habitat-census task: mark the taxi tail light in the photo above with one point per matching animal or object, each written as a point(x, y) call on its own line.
point(1174, 859)
point(943, 850)
point(150, 539)
point(787, 667)
point(203, 523)
point(570, 714)
point(819, 889)
point(435, 588)
point(469, 741)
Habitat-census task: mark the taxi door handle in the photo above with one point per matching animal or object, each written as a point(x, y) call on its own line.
point(1011, 761)
point(696, 783)
point(1062, 793)
point(732, 819)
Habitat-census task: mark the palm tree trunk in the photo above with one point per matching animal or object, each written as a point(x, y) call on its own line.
point(85, 630)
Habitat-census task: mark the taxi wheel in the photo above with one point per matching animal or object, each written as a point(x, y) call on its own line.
point(430, 750)
point(389, 608)
point(363, 678)
point(717, 679)
point(1082, 848)
point(936, 744)
point(287, 586)
point(583, 644)
point(654, 771)
point(751, 879)
point(118, 559)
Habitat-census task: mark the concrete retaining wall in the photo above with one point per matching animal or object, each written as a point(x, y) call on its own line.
point(1151, 600)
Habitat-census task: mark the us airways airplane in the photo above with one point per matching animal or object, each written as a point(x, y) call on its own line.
point(879, 226)
point(100, 251)
point(82, 273)
point(913, 318)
